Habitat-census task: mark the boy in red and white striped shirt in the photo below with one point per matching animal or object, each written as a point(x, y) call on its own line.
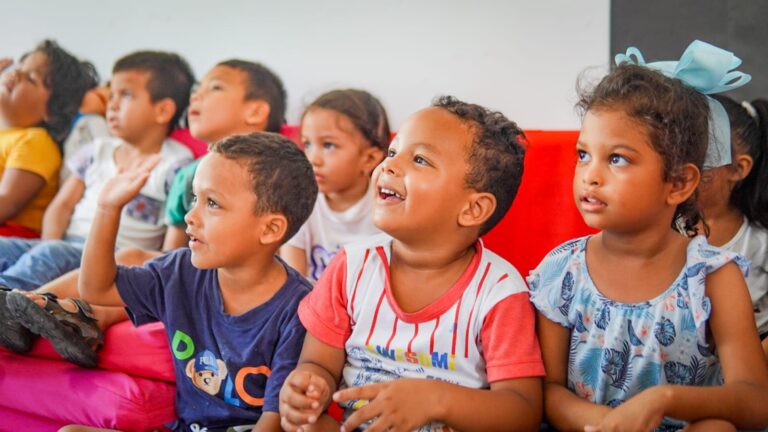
point(424, 328)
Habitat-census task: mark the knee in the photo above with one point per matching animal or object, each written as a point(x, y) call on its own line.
point(53, 247)
point(133, 256)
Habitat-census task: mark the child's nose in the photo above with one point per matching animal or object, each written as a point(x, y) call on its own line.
point(591, 174)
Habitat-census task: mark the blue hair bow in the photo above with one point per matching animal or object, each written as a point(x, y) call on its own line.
point(707, 69)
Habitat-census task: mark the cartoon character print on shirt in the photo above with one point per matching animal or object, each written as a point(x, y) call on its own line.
point(145, 209)
point(319, 258)
point(207, 372)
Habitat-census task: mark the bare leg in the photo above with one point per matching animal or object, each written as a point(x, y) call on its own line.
point(77, 428)
point(710, 425)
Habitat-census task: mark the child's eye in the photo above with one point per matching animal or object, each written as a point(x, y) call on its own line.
point(194, 199)
point(216, 86)
point(329, 145)
point(391, 153)
point(420, 160)
point(618, 160)
point(582, 155)
point(212, 204)
point(306, 144)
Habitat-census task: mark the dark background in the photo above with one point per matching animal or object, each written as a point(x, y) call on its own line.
point(662, 29)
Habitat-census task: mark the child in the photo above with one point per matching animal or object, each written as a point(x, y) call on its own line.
point(228, 303)
point(345, 134)
point(148, 92)
point(38, 100)
point(635, 320)
point(429, 302)
point(734, 200)
point(234, 97)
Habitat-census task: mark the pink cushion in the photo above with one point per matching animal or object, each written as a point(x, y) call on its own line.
point(13, 420)
point(138, 351)
point(68, 394)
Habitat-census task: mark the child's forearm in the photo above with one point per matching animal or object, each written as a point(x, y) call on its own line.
point(566, 411)
point(500, 409)
point(55, 221)
point(268, 422)
point(742, 404)
point(98, 269)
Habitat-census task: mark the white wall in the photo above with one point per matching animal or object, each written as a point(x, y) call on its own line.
point(518, 56)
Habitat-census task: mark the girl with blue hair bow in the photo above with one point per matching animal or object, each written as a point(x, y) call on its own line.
point(644, 325)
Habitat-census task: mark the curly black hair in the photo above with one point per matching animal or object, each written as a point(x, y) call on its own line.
point(749, 135)
point(169, 77)
point(364, 110)
point(674, 115)
point(68, 79)
point(281, 175)
point(495, 157)
point(265, 85)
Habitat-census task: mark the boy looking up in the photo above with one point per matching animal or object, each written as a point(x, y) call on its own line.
point(426, 328)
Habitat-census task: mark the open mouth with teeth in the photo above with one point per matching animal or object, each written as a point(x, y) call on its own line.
point(389, 195)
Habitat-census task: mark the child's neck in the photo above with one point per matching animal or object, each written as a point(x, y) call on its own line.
point(723, 222)
point(340, 201)
point(246, 286)
point(150, 143)
point(420, 275)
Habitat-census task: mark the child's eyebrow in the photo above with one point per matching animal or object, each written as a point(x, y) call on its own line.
point(626, 147)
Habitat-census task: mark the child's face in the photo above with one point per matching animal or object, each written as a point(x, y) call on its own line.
point(130, 110)
point(222, 225)
point(23, 92)
point(618, 183)
point(420, 186)
point(340, 156)
point(218, 108)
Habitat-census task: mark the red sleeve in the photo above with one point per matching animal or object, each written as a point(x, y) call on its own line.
point(323, 312)
point(509, 340)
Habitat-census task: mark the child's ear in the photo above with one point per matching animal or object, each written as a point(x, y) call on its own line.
point(257, 113)
point(275, 227)
point(684, 185)
point(371, 158)
point(479, 207)
point(742, 166)
point(164, 109)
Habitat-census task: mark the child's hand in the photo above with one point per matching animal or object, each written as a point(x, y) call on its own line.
point(302, 399)
point(123, 187)
point(400, 405)
point(643, 412)
point(5, 62)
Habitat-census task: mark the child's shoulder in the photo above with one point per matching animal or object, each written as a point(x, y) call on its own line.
point(175, 149)
point(703, 258)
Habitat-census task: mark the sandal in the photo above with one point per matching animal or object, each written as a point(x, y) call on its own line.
point(74, 335)
point(13, 335)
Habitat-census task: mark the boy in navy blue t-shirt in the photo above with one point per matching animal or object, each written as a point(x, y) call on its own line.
point(228, 303)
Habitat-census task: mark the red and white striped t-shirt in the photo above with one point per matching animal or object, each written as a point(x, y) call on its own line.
point(479, 331)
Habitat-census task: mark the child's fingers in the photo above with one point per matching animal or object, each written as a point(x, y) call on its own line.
point(5, 62)
point(367, 412)
point(299, 380)
point(363, 392)
point(150, 163)
point(298, 400)
point(296, 418)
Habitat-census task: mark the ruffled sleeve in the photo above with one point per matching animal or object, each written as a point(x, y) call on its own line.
point(704, 259)
point(554, 281)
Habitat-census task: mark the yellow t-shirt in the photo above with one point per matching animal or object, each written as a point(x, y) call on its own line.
point(33, 150)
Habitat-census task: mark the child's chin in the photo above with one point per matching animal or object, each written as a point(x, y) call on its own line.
point(200, 263)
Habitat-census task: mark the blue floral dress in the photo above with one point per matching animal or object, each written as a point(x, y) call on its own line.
point(618, 349)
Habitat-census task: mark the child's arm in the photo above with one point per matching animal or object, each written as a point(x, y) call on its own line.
point(307, 391)
point(744, 396)
point(295, 257)
point(269, 421)
point(57, 215)
point(564, 410)
point(406, 404)
point(175, 237)
point(17, 188)
point(98, 269)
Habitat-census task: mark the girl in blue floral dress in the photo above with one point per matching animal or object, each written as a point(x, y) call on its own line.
point(644, 325)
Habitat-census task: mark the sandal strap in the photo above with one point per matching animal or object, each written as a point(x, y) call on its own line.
point(82, 322)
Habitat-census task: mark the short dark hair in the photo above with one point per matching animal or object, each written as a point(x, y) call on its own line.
point(364, 110)
point(169, 77)
point(281, 175)
point(675, 116)
point(749, 135)
point(265, 85)
point(495, 157)
point(68, 79)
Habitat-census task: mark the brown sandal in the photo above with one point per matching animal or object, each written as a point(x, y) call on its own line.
point(13, 335)
point(74, 335)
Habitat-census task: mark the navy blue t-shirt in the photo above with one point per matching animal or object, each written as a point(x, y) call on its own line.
point(229, 368)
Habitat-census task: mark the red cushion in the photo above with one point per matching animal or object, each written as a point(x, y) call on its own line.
point(543, 214)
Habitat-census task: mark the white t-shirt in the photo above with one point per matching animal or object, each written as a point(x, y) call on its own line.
point(326, 231)
point(141, 224)
point(751, 241)
point(87, 128)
